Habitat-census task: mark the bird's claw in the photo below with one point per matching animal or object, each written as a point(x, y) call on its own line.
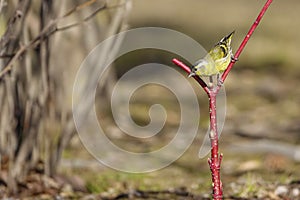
point(191, 74)
point(220, 82)
point(233, 59)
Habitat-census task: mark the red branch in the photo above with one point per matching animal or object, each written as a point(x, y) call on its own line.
point(188, 70)
point(215, 160)
point(243, 44)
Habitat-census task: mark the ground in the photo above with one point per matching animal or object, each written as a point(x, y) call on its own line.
point(266, 171)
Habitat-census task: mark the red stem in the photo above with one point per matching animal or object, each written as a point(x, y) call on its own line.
point(247, 37)
point(188, 70)
point(215, 160)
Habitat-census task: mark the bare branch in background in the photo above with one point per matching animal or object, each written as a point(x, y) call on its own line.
point(3, 3)
point(49, 30)
point(36, 121)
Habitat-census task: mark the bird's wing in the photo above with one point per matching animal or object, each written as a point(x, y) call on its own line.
point(217, 53)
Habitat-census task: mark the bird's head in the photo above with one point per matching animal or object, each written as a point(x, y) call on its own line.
point(227, 39)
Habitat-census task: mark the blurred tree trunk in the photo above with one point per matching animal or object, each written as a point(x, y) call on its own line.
point(42, 45)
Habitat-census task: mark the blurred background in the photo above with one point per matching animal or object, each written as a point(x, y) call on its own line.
point(42, 46)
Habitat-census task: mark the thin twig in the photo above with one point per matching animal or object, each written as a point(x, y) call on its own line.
point(16, 20)
point(86, 19)
point(3, 3)
point(7, 56)
point(49, 30)
point(79, 7)
point(188, 71)
point(247, 37)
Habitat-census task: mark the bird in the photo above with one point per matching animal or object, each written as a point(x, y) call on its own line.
point(216, 61)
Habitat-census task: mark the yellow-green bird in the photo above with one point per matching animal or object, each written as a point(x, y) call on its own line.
point(217, 59)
